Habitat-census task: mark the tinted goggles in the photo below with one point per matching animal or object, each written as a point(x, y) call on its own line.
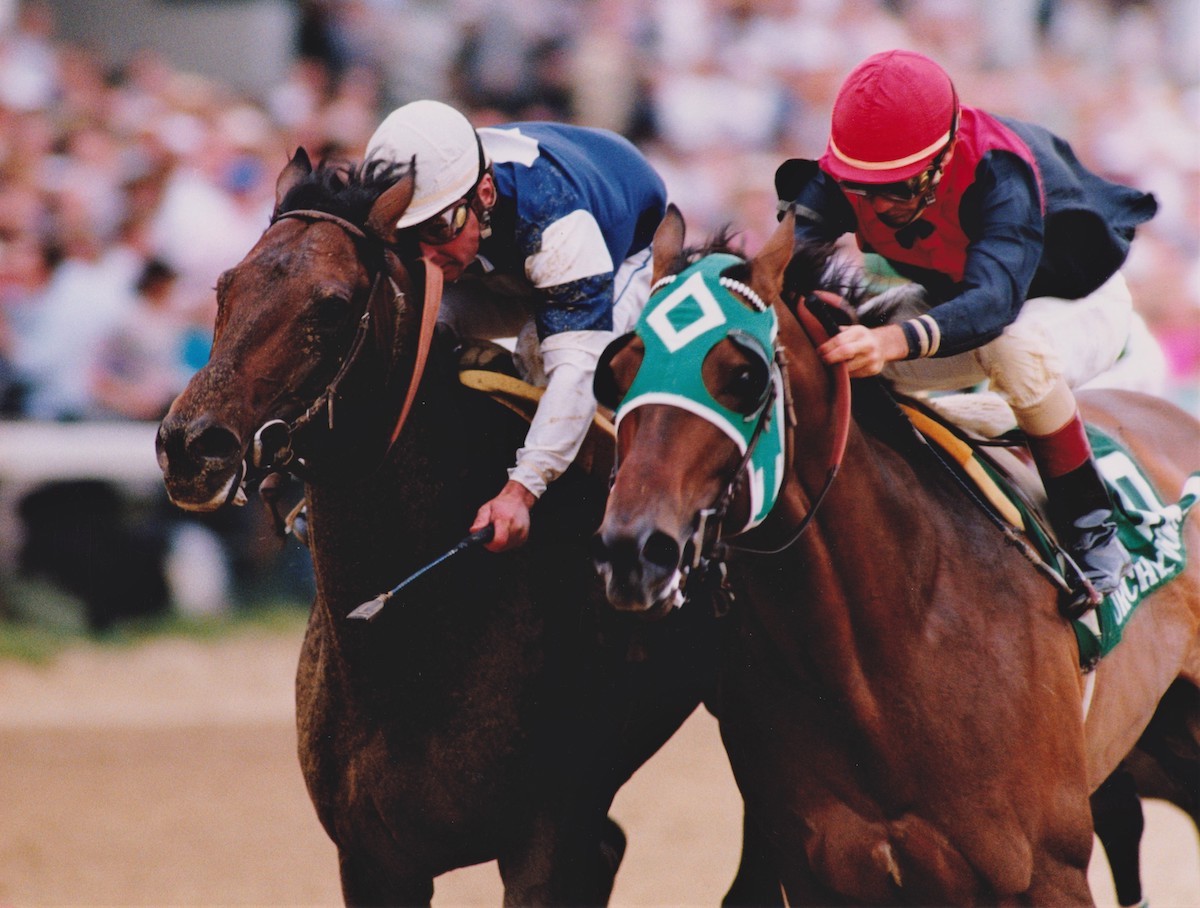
point(446, 224)
point(903, 191)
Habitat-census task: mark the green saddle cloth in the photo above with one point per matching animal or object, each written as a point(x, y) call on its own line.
point(1150, 532)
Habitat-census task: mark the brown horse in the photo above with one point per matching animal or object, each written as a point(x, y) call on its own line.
point(900, 698)
point(493, 711)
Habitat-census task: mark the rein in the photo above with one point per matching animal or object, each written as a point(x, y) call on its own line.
point(271, 449)
point(708, 548)
point(818, 334)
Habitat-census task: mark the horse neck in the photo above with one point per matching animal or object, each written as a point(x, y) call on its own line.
point(370, 529)
point(861, 557)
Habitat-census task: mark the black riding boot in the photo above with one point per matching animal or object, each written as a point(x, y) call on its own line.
point(1081, 512)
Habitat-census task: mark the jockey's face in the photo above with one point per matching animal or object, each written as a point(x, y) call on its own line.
point(894, 213)
point(455, 255)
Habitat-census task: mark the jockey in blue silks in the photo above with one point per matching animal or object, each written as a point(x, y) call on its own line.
point(543, 230)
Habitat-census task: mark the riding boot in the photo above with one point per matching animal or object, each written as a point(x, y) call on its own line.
point(1081, 512)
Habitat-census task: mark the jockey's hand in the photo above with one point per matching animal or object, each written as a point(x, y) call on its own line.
point(508, 512)
point(865, 351)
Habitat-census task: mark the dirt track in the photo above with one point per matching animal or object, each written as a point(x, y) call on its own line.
point(166, 775)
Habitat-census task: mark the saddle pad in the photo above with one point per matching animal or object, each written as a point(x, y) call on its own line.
point(964, 455)
point(1149, 530)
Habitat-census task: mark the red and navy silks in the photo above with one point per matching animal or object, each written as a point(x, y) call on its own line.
point(944, 248)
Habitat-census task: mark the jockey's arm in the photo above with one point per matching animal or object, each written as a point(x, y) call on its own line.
point(555, 435)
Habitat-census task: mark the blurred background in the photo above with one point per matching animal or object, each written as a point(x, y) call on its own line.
point(140, 142)
point(139, 145)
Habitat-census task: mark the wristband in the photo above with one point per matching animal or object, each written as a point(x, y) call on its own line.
point(923, 335)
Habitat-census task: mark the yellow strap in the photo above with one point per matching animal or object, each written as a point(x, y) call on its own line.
point(965, 457)
point(519, 396)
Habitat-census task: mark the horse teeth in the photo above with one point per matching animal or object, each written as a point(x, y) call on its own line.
point(239, 497)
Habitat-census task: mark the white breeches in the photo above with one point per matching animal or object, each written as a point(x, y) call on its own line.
point(1054, 345)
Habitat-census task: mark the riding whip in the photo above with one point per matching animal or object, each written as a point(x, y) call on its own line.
point(369, 609)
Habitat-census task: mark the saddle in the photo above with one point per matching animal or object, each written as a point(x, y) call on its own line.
point(977, 436)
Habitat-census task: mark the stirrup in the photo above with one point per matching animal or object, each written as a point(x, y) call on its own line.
point(1080, 599)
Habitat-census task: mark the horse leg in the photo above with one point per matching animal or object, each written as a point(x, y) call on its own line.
point(1117, 819)
point(757, 882)
point(563, 863)
point(366, 882)
point(1165, 762)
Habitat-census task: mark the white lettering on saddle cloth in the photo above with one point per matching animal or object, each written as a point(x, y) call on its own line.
point(1149, 531)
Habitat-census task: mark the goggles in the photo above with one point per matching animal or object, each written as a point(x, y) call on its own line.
point(447, 224)
point(903, 191)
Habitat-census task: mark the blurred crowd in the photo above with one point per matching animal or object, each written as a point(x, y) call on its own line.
point(127, 186)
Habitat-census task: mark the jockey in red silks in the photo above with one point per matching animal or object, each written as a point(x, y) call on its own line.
point(1017, 248)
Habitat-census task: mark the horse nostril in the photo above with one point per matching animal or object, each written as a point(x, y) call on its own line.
point(661, 551)
point(216, 443)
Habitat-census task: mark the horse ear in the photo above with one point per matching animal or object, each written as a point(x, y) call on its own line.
point(668, 242)
point(296, 169)
point(390, 206)
point(772, 260)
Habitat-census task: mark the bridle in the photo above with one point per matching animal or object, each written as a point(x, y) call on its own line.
point(271, 450)
point(817, 335)
point(709, 548)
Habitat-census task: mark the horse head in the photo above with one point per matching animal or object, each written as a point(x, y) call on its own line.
point(700, 395)
point(319, 291)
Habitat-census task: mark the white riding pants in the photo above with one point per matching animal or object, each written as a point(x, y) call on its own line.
point(1054, 345)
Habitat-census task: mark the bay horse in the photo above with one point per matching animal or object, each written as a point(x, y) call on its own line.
point(899, 696)
point(493, 711)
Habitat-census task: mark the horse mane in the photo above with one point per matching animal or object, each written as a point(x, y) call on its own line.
point(722, 241)
point(343, 189)
point(813, 267)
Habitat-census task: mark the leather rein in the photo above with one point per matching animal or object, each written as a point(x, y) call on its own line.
point(271, 450)
point(708, 546)
point(817, 334)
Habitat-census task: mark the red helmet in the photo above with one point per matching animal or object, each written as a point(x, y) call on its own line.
point(893, 115)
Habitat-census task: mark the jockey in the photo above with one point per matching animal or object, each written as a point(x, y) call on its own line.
point(1015, 249)
point(543, 232)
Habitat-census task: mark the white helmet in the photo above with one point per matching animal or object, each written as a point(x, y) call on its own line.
point(448, 153)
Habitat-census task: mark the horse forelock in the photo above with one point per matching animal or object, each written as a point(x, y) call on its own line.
point(724, 240)
point(343, 189)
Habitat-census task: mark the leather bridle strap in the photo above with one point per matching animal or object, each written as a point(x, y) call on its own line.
point(429, 315)
point(817, 334)
point(313, 214)
point(841, 377)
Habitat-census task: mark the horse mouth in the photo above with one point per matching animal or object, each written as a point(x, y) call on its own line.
point(199, 496)
point(635, 598)
point(233, 492)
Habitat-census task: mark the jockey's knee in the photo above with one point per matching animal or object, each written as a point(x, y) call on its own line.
point(1022, 365)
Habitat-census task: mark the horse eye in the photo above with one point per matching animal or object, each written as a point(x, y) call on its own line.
point(742, 385)
point(608, 388)
point(329, 309)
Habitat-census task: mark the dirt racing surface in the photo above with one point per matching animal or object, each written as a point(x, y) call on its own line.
point(165, 774)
